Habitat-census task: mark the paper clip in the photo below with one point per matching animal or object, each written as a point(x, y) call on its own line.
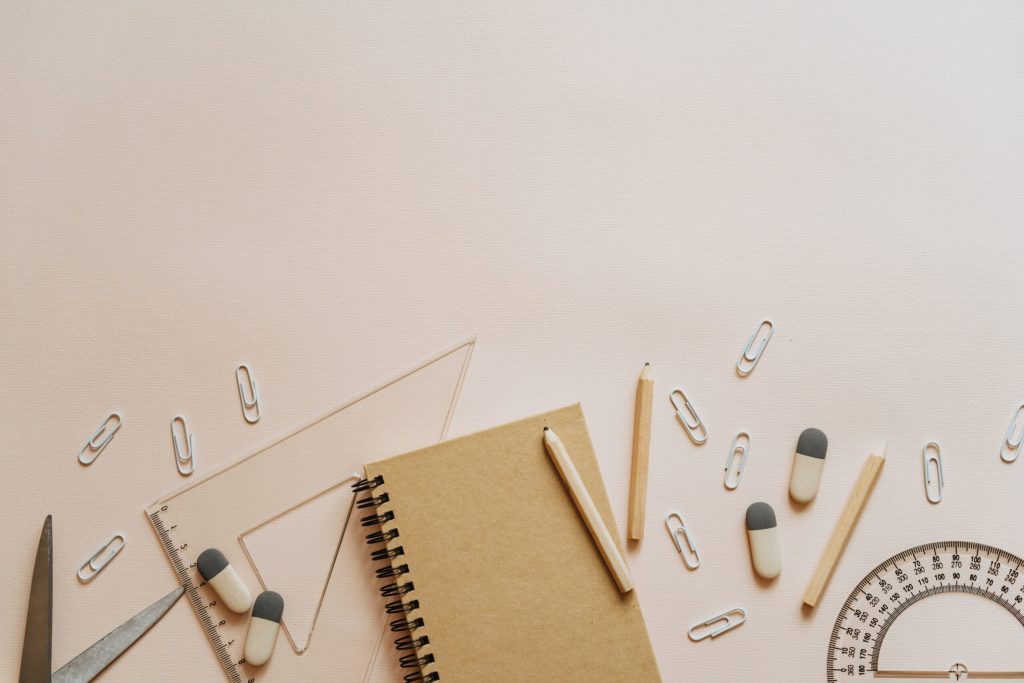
point(1011, 445)
point(730, 620)
point(248, 405)
point(690, 428)
point(91, 450)
point(740, 444)
point(932, 453)
point(746, 362)
point(691, 560)
point(185, 462)
point(101, 558)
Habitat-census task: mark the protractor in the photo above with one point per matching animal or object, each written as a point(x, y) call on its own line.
point(952, 610)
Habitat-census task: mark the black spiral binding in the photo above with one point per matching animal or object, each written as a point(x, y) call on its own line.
point(398, 589)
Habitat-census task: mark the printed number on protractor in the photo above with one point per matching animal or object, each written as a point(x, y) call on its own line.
point(224, 629)
point(952, 610)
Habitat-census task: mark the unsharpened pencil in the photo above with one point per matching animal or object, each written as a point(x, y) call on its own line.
point(844, 527)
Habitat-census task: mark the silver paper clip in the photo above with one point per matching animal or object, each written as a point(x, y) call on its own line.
point(248, 406)
point(680, 534)
point(1011, 445)
point(691, 428)
point(741, 445)
point(101, 558)
point(184, 461)
point(932, 453)
point(732, 619)
point(746, 362)
point(91, 450)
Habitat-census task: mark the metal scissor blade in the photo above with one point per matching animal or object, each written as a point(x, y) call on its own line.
point(90, 663)
point(38, 643)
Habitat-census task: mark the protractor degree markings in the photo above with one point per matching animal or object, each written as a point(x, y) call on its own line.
point(871, 610)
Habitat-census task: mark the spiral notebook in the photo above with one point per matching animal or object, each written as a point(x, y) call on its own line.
point(489, 568)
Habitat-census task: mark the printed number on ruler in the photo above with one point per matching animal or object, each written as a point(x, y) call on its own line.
point(224, 629)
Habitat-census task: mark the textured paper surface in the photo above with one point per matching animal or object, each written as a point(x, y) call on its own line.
point(332, 191)
point(508, 579)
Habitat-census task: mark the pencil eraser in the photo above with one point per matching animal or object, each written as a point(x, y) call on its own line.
point(226, 583)
point(263, 627)
point(763, 535)
point(808, 462)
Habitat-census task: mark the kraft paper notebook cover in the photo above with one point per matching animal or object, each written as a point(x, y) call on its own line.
point(485, 555)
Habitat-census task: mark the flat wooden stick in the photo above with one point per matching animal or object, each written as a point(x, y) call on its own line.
point(641, 453)
point(585, 504)
point(841, 534)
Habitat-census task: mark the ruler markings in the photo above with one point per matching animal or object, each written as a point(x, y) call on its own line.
point(219, 646)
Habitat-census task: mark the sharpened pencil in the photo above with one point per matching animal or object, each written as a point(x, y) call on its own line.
point(641, 453)
point(585, 504)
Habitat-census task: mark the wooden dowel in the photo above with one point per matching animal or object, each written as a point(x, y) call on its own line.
point(841, 534)
point(641, 453)
point(585, 504)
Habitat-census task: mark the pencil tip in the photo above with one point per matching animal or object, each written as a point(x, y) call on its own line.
point(647, 365)
point(545, 429)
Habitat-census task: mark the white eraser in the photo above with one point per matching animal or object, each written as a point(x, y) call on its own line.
point(221, 576)
point(763, 535)
point(263, 627)
point(808, 463)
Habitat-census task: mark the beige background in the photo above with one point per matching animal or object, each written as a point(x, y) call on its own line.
point(335, 191)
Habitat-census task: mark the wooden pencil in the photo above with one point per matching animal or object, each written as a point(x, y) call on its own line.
point(844, 527)
point(585, 504)
point(641, 453)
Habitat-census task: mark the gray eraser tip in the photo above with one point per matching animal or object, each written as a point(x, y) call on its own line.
point(269, 605)
point(812, 443)
point(760, 516)
point(211, 562)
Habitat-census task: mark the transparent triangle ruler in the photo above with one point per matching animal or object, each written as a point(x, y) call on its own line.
point(284, 518)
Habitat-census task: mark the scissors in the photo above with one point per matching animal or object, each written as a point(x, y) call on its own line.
point(36, 650)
